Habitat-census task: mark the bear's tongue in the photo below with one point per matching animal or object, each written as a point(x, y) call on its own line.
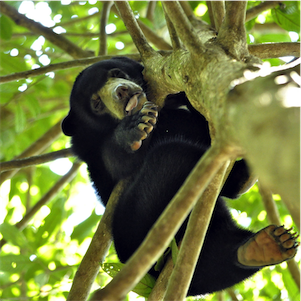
point(132, 104)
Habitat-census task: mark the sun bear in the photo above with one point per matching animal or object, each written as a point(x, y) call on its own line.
point(119, 133)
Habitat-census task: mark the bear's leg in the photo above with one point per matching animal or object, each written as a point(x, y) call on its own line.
point(217, 267)
point(231, 254)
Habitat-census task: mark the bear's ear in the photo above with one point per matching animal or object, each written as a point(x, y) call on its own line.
point(116, 72)
point(68, 125)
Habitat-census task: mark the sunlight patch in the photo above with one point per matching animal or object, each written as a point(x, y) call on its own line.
point(60, 166)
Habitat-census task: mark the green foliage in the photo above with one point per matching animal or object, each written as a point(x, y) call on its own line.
point(39, 262)
point(143, 288)
point(287, 15)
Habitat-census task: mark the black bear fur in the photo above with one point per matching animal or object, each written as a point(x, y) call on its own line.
point(157, 168)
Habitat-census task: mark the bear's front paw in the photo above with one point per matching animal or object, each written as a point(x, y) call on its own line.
point(147, 118)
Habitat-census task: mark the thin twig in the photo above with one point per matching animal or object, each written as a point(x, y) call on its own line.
point(253, 12)
point(230, 291)
point(35, 160)
point(136, 33)
point(36, 148)
point(103, 23)
point(58, 40)
point(58, 186)
point(97, 250)
point(59, 66)
point(185, 30)
point(165, 228)
point(193, 239)
point(76, 20)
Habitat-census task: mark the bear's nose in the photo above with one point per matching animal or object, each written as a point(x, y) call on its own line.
point(122, 92)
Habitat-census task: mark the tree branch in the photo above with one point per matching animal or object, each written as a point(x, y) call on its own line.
point(253, 12)
point(218, 13)
point(35, 160)
point(151, 6)
point(56, 39)
point(275, 106)
point(275, 50)
point(131, 24)
point(193, 239)
point(183, 27)
point(36, 148)
point(60, 66)
point(103, 22)
point(159, 290)
point(232, 33)
point(96, 253)
point(187, 9)
point(165, 228)
point(263, 51)
point(151, 36)
point(210, 12)
point(176, 44)
point(46, 198)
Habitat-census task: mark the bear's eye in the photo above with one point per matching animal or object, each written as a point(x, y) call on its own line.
point(96, 103)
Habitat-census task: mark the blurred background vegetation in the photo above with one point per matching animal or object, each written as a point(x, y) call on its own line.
point(48, 212)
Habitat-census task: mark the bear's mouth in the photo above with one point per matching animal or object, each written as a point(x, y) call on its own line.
point(135, 103)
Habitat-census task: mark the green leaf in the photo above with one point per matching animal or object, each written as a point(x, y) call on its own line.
point(83, 230)
point(33, 106)
point(287, 16)
point(5, 28)
point(143, 288)
point(14, 236)
point(174, 250)
point(14, 263)
point(12, 64)
point(52, 221)
point(20, 118)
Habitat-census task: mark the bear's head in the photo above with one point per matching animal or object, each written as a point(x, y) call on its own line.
point(111, 88)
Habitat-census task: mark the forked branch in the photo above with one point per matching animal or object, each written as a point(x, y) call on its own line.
point(232, 33)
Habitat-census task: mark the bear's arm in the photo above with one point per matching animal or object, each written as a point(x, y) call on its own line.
point(123, 150)
point(237, 180)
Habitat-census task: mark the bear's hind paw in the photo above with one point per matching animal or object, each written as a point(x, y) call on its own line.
point(269, 246)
